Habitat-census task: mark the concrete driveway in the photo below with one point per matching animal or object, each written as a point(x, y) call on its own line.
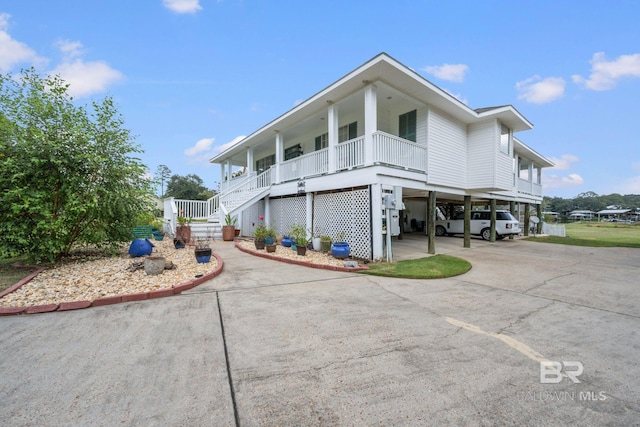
point(267, 343)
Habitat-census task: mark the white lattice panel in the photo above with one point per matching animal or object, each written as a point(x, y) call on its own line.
point(251, 218)
point(347, 212)
point(286, 212)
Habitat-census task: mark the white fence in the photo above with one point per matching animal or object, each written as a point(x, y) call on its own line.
point(553, 229)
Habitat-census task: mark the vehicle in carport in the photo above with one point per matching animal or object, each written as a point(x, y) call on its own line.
point(506, 224)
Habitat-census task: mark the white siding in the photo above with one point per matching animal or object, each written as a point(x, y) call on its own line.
point(504, 171)
point(447, 150)
point(481, 162)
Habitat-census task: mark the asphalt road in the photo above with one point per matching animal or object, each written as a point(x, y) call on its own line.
point(267, 343)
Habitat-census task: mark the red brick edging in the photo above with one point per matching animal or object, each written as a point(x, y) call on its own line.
point(115, 299)
point(295, 261)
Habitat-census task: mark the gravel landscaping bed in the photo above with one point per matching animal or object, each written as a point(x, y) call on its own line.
point(90, 280)
point(312, 257)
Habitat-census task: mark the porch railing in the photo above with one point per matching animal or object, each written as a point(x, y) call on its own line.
point(350, 153)
point(195, 209)
point(315, 163)
point(396, 151)
point(529, 187)
point(239, 194)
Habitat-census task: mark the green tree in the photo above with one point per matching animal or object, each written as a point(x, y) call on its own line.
point(163, 173)
point(189, 187)
point(67, 176)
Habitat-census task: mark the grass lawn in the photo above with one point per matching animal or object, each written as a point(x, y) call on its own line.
point(10, 275)
point(599, 234)
point(434, 267)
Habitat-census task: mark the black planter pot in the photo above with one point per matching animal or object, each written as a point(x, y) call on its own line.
point(260, 244)
point(178, 243)
point(301, 250)
point(203, 255)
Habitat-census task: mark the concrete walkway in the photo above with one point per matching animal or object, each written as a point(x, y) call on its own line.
point(268, 343)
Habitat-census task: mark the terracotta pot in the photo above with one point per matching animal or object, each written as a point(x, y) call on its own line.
point(237, 232)
point(184, 232)
point(228, 233)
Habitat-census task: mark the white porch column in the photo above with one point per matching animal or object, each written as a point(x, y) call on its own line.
point(376, 221)
point(309, 213)
point(249, 160)
point(530, 177)
point(267, 212)
point(223, 185)
point(370, 121)
point(279, 155)
point(229, 168)
point(332, 123)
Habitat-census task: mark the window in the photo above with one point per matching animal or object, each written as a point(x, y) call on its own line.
point(293, 152)
point(345, 133)
point(348, 132)
point(322, 141)
point(505, 139)
point(265, 163)
point(407, 126)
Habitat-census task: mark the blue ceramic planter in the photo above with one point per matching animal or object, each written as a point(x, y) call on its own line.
point(140, 247)
point(286, 241)
point(340, 250)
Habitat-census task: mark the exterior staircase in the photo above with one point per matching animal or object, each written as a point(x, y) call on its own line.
point(216, 208)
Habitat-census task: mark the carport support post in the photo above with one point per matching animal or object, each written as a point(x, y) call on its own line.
point(492, 238)
point(526, 219)
point(512, 209)
point(467, 221)
point(431, 222)
point(539, 224)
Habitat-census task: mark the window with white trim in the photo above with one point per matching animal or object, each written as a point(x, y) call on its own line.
point(505, 139)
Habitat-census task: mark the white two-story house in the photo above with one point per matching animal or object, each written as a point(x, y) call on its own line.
point(381, 130)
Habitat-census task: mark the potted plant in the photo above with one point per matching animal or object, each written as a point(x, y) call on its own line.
point(183, 230)
point(157, 230)
point(260, 234)
point(299, 236)
point(179, 243)
point(229, 229)
point(270, 240)
point(316, 241)
point(202, 251)
point(325, 243)
point(340, 248)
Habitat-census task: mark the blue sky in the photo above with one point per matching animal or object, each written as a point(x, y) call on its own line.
point(191, 76)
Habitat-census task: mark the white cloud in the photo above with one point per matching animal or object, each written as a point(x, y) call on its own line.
point(87, 78)
point(13, 52)
point(449, 72)
point(557, 181)
point(537, 90)
point(202, 145)
point(70, 49)
point(182, 6)
point(221, 148)
point(551, 179)
point(564, 162)
point(605, 74)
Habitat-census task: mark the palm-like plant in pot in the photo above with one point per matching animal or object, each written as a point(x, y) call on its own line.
point(229, 229)
point(299, 236)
